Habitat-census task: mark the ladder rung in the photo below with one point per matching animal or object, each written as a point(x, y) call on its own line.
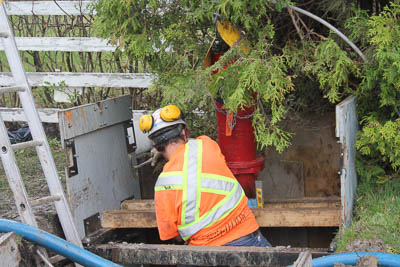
point(27, 144)
point(11, 89)
point(44, 200)
point(4, 34)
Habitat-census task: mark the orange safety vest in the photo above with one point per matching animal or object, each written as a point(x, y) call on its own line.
point(197, 197)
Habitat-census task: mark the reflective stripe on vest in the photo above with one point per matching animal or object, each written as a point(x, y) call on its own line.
point(193, 182)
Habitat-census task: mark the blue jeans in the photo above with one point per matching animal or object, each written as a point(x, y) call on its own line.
point(255, 239)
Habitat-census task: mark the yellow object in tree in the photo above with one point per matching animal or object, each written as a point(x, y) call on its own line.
point(208, 60)
point(228, 33)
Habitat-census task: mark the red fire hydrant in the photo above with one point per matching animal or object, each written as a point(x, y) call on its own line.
point(237, 141)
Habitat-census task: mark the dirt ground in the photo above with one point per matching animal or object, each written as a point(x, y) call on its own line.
point(366, 245)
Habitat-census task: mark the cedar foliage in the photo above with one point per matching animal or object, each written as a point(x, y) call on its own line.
point(288, 52)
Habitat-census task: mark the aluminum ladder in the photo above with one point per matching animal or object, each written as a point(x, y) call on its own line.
point(39, 141)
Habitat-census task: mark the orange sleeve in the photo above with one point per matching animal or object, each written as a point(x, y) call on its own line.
point(166, 214)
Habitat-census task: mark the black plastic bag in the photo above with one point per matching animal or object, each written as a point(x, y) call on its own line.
point(21, 135)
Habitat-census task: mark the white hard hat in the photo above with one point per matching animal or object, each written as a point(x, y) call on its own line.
point(161, 118)
point(160, 124)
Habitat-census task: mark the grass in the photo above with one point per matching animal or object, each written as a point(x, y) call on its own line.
point(376, 215)
point(32, 175)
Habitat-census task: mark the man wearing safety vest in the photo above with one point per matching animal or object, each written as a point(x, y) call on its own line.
point(197, 198)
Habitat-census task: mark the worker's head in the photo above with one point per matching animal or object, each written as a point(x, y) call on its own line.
point(164, 126)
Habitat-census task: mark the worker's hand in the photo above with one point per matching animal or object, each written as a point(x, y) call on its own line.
point(178, 239)
point(155, 156)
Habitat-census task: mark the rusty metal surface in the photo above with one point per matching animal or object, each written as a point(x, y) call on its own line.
point(104, 175)
point(9, 253)
point(346, 131)
point(200, 256)
point(88, 118)
point(99, 175)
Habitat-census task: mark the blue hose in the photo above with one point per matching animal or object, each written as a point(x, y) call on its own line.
point(58, 245)
point(350, 258)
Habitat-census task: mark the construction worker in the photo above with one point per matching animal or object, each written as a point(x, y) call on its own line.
point(197, 198)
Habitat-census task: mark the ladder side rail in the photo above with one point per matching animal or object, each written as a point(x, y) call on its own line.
point(14, 178)
point(37, 131)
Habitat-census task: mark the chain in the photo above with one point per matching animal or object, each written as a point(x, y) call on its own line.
point(232, 123)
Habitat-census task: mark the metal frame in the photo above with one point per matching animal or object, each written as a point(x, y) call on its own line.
point(100, 174)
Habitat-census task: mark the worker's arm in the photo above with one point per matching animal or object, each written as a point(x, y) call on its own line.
point(166, 214)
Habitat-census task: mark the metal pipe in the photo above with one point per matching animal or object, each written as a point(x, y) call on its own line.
point(384, 259)
point(58, 245)
point(330, 26)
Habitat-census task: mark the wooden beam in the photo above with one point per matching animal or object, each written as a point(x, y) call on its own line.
point(64, 44)
point(80, 79)
point(48, 115)
point(303, 202)
point(289, 203)
point(128, 219)
point(266, 217)
point(199, 255)
point(72, 8)
point(305, 217)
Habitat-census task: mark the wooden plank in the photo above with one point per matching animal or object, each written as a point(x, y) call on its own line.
point(72, 8)
point(128, 219)
point(266, 217)
point(48, 115)
point(304, 202)
point(64, 44)
point(127, 254)
point(290, 203)
point(311, 217)
point(116, 80)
